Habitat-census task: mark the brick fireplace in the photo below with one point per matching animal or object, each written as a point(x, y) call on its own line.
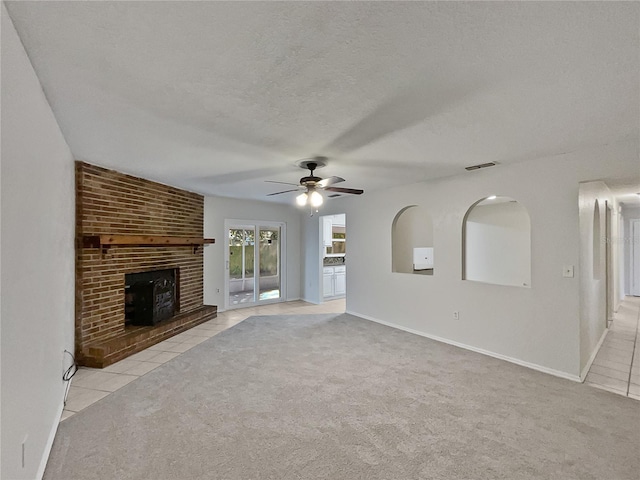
point(127, 225)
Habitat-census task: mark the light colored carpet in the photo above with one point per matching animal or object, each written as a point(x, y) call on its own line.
point(336, 397)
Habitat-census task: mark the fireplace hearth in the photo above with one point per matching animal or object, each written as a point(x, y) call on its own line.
point(150, 297)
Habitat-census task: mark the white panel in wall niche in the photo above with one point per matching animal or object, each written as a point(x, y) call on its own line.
point(497, 242)
point(422, 258)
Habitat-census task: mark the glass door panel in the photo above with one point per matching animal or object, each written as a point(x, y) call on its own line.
point(254, 266)
point(269, 260)
point(241, 266)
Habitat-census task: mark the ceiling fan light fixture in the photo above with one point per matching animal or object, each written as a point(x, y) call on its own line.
point(312, 184)
point(301, 199)
point(316, 199)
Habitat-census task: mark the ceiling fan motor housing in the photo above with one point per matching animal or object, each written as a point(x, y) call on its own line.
point(313, 183)
point(309, 181)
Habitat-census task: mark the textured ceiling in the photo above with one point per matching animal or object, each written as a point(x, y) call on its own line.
point(216, 97)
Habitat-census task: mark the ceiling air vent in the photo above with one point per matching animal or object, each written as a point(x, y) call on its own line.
point(481, 165)
point(334, 195)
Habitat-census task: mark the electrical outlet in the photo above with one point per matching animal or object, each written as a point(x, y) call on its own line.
point(456, 315)
point(217, 290)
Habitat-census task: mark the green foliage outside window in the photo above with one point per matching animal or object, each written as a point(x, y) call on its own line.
point(268, 253)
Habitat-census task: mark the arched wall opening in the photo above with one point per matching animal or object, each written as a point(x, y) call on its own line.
point(496, 238)
point(412, 241)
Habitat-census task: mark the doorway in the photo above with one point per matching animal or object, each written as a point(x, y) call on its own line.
point(333, 250)
point(254, 263)
point(634, 273)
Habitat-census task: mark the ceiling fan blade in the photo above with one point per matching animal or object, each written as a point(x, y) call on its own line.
point(352, 191)
point(284, 183)
point(329, 181)
point(286, 191)
point(405, 109)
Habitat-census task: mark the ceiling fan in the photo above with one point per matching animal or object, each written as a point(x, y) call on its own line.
point(311, 184)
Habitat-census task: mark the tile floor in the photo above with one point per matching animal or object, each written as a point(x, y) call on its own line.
point(92, 384)
point(616, 367)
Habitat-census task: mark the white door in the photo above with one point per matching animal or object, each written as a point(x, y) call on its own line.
point(608, 265)
point(635, 258)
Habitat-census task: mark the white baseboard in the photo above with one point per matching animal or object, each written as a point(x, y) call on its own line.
point(533, 366)
point(49, 444)
point(586, 368)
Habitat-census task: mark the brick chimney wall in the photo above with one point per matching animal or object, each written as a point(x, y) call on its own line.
point(109, 202)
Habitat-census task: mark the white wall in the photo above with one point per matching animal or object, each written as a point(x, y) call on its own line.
point(216, 211)
point(37, 263)
point(498, 244)
point(311, 268)
point(617, 252)
point(537, 326)
point(628, 214)
point(592, 198)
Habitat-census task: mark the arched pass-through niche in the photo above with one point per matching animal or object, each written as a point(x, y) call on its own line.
point(412, 241)
point(496, 238)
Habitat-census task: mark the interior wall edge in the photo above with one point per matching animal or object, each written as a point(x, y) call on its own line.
point(49, 444)
point(587, 367)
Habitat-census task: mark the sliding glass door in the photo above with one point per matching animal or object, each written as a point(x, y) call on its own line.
point(254, 263)
point(241, 283)
point(269, 283)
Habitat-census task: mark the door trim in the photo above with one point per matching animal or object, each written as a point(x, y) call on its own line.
point(634, 273)
point(608, 263)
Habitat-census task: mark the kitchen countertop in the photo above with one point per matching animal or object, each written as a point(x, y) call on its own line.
point(329, 261)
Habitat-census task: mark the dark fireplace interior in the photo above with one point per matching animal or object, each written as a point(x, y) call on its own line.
point(150, 297)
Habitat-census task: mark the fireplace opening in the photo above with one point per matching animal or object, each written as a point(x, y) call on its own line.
point(150, 297)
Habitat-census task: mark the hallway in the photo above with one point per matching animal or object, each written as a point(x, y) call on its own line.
point(616, 367)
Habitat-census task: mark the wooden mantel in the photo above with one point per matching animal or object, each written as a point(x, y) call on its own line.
point(107, 241)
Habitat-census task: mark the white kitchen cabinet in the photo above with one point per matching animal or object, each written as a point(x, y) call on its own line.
point(340, 281)
point(327, 231)
point(334, 281)
point(327, 282)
